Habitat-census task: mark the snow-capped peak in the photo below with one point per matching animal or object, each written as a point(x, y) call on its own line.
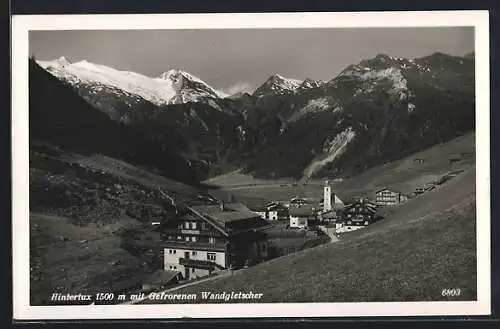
point(173, 86)
point(176, 74)
point(182, 78)
point(62, 61)
point(277, 84)
point(288, 82)
point(310, 83)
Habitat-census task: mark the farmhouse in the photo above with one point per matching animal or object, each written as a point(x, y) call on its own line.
point(276, 210)
point(356, 215)
point(302, 217)
point(205, 239)
point(390, 197)
point(269, 211)
point(419, 190)
point(260, 210)
point(425, 188)
point(327, 217)
point(298, 202)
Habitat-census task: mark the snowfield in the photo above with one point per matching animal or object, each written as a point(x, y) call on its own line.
point(168, 88)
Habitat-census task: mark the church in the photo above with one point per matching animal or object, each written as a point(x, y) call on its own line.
point(331, 205)
point(304, 214)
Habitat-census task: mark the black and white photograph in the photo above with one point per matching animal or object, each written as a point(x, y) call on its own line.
point(326, 164)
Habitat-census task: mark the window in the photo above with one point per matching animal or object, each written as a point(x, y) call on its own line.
point(192, 270)
point(179, 237)
point(175, 267)
point(175, 251)
point(210, 255)
point(203, 226)
point(193, 225)
point(180, 225)
point(170, 237)
point(169, 251)
point(187, 238)
point(193, 253)
point(193, 238)
point(349, 222)
point(186, 225)
point(211, 239)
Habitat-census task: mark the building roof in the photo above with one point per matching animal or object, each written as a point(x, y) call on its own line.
point(230, 216)
point(220, 218)
point(224, 216)
point(328, 214)
point(272, 206)
point(304, 211)
point(399, 188)
point(161, 277)
point(230, 206)
point(258, 208)
point(299, 200)
point(367, 205)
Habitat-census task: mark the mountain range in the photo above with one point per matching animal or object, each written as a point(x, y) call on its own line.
point(378, 110)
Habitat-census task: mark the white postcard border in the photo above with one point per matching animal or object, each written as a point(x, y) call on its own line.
point(22, 24)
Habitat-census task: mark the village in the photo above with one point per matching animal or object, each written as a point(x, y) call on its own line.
point(220, 237)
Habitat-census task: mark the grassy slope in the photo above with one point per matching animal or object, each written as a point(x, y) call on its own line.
point(425, 246)
point(80, 207)
point(402, 172)
point(236, 178)
point(76, 259)
point(410, 175)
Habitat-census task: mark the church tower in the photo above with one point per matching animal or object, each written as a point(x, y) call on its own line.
point(327, 196)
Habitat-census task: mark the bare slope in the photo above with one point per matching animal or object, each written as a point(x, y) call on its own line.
point(425, 246)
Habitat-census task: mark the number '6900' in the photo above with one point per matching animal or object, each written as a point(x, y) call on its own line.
point(450, 292)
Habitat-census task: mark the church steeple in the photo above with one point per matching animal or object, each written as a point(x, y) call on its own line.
point(327, 196)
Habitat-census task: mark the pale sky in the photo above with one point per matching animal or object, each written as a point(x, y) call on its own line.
point(241, 59)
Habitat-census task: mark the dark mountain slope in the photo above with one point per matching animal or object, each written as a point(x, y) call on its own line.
point(379, 110)
point(59, 116)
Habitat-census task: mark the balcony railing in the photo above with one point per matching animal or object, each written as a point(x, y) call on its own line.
point(186, 231)
point(221, 246)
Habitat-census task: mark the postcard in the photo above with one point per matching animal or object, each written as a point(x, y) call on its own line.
point(275, 165)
